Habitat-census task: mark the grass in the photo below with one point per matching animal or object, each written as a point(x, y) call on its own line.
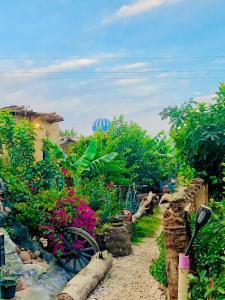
point(158, 266)
point(146, 226)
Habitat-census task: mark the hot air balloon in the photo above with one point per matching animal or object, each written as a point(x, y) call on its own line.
point(101, 124)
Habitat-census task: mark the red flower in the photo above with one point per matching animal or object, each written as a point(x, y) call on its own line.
point(64, 171)
point(110, 185)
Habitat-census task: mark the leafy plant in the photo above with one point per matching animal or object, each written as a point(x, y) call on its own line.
point(209, 255)
point(76, 167)
point(70, 211)
point(68, 133)
point(158, 266)
point(140, 158)
point(198, 130)
point(103, 198)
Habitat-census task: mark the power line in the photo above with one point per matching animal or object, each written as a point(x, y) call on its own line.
point(112, 78)
point(113, 72)
point(114, 58)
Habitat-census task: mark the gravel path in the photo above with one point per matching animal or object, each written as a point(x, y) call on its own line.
point(129, 278)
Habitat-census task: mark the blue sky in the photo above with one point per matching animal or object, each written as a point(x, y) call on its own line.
point(99, 58)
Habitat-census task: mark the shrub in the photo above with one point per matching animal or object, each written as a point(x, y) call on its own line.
point(209, 255)
point(102, 198)
point(68, 212)
point(158, 266)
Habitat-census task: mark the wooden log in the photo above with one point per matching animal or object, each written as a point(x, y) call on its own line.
point(81, 285)
point(144, 206)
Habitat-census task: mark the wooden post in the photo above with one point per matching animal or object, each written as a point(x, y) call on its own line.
point(176, 240)
point(177, 228)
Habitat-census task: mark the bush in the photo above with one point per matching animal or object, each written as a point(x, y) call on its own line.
point(102, 197)
point(210, 257)
point(158, 266)
point(68, 212)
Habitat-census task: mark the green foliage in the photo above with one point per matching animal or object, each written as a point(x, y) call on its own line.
point(77, 167)
point(31, 185)
point(32, 213)
point(140, 158)
point(144, 156)
point(145, 226)
point(16, 143)
point(158, 266)
point(68, 133)
point(17, 154)
point(198, 130)
point(209, 254)
point(104, 200)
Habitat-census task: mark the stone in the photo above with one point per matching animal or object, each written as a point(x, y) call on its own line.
point(1, 205)
point(7, 209)
point(21, 235)
point(36, 254)
point(117, 240)
point(25, 256)
point(3, 218)
point(22, 238)
point(13, 264)
point(35, 269)
point(20, 284)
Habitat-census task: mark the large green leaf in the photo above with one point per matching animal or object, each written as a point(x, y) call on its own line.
point(109, 157)
point(90, 152)
point(99, 162)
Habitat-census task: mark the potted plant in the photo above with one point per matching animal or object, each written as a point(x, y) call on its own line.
point(8, 288)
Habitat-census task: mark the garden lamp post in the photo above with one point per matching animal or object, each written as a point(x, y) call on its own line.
point(202, 216)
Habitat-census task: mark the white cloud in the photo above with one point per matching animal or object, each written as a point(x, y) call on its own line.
point(136, 8)
point(140, 66)
point(129, 81)
point(57, 67)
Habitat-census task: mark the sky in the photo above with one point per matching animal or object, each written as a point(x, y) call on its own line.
point(88, 59)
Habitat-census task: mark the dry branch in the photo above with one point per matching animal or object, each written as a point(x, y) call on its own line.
point(144, 206)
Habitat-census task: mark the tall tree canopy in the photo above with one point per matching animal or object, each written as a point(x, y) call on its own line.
point(198, 130)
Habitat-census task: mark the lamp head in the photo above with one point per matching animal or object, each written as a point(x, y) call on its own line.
point(203, 215)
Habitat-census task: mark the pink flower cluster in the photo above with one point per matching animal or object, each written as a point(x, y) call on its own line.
point(69, 212)
point(31, 187)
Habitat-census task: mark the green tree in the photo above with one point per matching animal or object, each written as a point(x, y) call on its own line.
point(198, 130)
point(141, 158)
point(68, 133)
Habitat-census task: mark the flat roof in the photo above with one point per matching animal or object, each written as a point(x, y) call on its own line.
point(25, 112)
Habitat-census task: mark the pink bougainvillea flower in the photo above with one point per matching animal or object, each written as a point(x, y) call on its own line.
point(71, 192)
point(69, 212)
point(64, 171)
point(46, 227)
